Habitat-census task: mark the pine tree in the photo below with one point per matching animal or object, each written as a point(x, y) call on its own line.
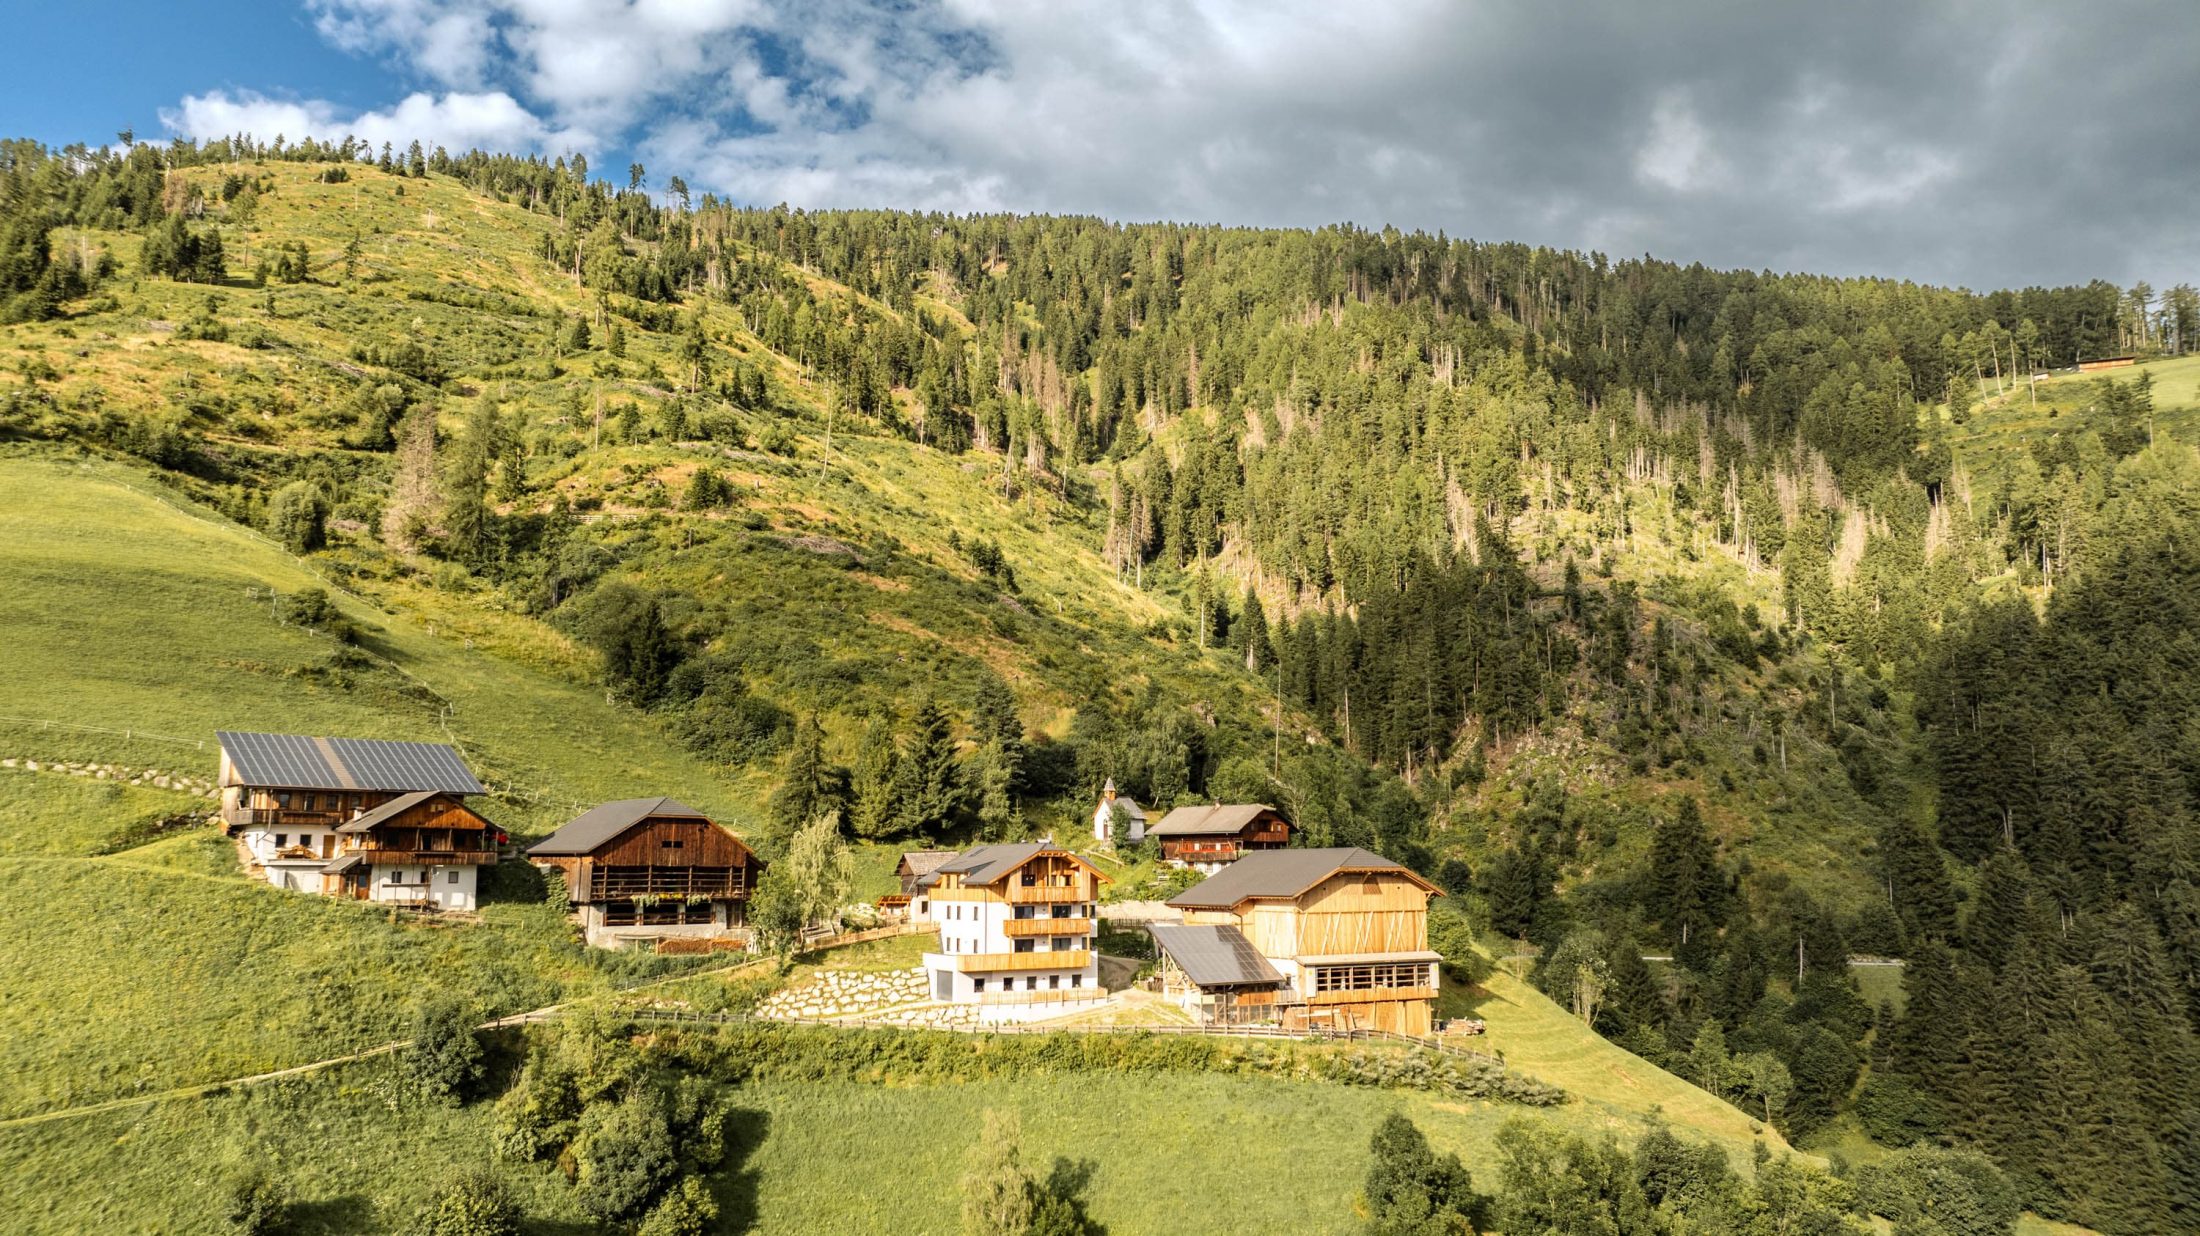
point(809, 786)
point(874, 778)
point(1686, 889)
point(927, 782)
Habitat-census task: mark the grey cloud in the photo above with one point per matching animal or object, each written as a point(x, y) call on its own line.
point(1950, 141)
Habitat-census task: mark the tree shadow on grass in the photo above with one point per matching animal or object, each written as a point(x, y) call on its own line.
point(734, 1184)
point(338, 1216)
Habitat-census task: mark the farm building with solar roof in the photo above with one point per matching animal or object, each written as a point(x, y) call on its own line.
point(363, 818)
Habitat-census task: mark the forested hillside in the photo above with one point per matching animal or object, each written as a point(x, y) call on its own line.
point(1759, 620)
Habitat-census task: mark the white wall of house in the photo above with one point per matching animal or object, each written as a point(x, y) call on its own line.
point(264, 843)
point(967, 927)
point(428, 885)
point(1103, 823)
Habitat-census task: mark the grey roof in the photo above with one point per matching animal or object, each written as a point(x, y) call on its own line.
point(1281, 873)
point(341, 865)
point(297, 761)
point(981, 865)
point(923, 862)
point(1215, 956)
point(387, 811)
point(1213, 821)
point(597, 825)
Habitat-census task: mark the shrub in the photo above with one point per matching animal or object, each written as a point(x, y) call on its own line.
point(254, 1202)
point(298, 517)
point(626, 1157)
point(1942, 1192)
point(445, 1056)
point(689, 1210)
point(475, 1202)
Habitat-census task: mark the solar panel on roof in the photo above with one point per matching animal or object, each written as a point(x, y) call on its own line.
point(296, 760)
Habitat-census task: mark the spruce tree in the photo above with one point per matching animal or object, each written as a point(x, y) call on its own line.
point(872, 805)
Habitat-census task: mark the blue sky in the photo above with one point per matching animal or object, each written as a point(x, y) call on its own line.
point(2032, 141)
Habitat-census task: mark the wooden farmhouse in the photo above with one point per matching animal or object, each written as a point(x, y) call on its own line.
point(1334, 938)
point(357, 817)
point(911, 870)
point(1207, 839)
point(1103, 815)
point(648, 869)
point(1017, 930)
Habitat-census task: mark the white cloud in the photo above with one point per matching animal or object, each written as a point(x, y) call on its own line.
point(458, 121)
point(1678, 153)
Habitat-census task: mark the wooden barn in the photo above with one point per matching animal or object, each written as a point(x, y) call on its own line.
point(911, 870)
point(648, 869)
point(2107, 362)
point(356, 817)
point(1344, 930)
point(1207, 839)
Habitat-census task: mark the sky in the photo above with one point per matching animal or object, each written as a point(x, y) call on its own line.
point(1982, 143)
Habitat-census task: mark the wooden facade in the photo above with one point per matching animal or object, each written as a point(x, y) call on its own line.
point(651, 867)
point(1265, 829)
point(1353, 944)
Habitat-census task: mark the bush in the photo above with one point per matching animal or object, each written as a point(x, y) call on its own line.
point(626, 1157)
point(445, 1056)
point(1934, 1192)
point(298, 517)
point(254, 1202)
point(689, 1210)
point(475, 1202)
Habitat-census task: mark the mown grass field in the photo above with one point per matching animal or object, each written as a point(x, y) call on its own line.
point(2004, 427)
point(130, 611)
point(1246, 1155)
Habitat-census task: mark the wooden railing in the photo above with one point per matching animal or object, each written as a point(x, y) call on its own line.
point(667, 881)
point(445, 857)
point(1027, 894)
point(1020, 928)
point(279, 817)
point(988, 963)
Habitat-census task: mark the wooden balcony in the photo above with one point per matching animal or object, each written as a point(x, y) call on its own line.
point(1024, 928)
point(430, 858)
point(278, 817)
point(1040, 894)
point(990, 963)
point(612, 884)
point(1372, 995)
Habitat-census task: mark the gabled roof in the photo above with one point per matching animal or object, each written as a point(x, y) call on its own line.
point(1126, 802)
point(396, 807)
point(1215, 956)
point(597, 825)
point(1284, 873)
point(296, 761)
point(986, 864)
point(1214, 821)
point(387, 811)
point(922, 862)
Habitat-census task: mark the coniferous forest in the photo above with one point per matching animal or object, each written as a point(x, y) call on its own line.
point(1699, 631)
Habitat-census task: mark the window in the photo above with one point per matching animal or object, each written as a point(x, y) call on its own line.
point(1077, 980)
point(1030, 984)
point(1023, 912)
point(1054, 982)
point(453, 879)
point(1061, 911)
point(1027, 946)
point(281, 840)
point(283, 800)
point(978, 985)
point(673, 843)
